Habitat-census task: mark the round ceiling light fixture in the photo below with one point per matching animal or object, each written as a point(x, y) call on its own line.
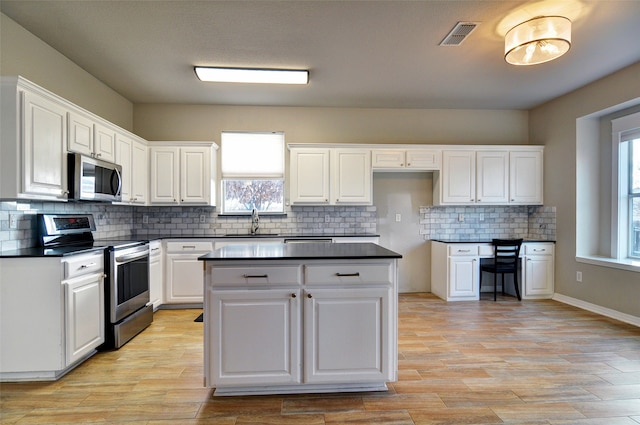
point(537, 40)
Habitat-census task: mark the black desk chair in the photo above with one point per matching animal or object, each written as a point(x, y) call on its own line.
point(505, 260)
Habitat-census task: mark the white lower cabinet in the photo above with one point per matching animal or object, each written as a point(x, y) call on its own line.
point(85, 329)
point(64, 299)
point(345, 336)
point(256, 336)
point(300, 327)
point(459, 280)
point(184, 278)
point(156, 274)
point(538, 269)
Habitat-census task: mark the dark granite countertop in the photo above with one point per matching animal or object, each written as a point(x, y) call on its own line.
point(488, 241)
point(307, 251)
point(102, 244)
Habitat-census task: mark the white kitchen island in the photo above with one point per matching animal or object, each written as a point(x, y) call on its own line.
point(299, 318)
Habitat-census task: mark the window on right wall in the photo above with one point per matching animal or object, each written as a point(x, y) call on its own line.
point(626, 141)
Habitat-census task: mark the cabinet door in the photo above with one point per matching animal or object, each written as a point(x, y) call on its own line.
point(185, 279)
point(104, 143)
point(424, 159)
point(352, 176)
point(195, 175)
point(492, 177)
point(458, 177)
point(164, 175)
point(124, 150)
point(140, 173)
point(386, 158)
point(44, 145)
point(538, 280)
point(346, 335)
point(84, 315)
point(526, 181)
point(256, 335)
point(463, 277)
point(156, 275)
point(309, 173)
point(80, 134)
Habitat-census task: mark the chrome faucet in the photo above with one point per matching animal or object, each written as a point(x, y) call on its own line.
point(254, 221)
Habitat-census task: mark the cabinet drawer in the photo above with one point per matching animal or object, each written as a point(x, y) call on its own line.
point(341, 274)
point(189, 246)
point(78, 265)
point(463, 249)
point(485, 250)
point(538, 249)
point(256, 276)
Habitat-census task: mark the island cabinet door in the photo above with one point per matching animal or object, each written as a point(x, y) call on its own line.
point(346, 335)
point(254, 337)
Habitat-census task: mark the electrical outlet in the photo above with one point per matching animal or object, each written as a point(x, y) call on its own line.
point(481, 218)
point(398, 218)
point(13, 221)
point(327, 218)
point(460, 217)
point(145, 219)
point(203, 218)
point(578, 276)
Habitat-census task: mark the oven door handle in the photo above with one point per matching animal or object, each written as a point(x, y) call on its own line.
point(132, 257)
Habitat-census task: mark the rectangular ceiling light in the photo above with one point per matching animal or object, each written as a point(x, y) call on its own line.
point(247, 75)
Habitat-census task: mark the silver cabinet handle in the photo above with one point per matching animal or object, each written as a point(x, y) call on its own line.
point(348, 274)
point(309, 296)
point(464, 250)
point(255, 276)
point(86, 266)
point(294, 295)
point(188, 247)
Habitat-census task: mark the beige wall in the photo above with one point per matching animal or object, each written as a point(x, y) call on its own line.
point(554, 125)
point(22, 53)
point(333, 125)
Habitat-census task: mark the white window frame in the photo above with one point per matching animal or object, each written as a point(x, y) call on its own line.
point(251, 173)
point(623, 129)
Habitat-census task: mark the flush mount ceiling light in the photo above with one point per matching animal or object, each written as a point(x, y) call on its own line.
point(537, 40)
point(248, 75)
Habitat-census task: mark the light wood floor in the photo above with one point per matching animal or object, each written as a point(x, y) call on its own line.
point(530, 362)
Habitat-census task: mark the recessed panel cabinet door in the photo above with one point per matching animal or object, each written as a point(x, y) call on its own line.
point(165, 167)
point(526, 178)
point(492, 177)
point(44, 147)
point(463, 277)
point(194, 174)
point(256, 335)
point(84, 315)
point(310, 176)
point(346, 335)
point(458, 177)
point(352, 176)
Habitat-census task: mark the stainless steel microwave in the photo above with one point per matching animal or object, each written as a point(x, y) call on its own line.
point(91, 179)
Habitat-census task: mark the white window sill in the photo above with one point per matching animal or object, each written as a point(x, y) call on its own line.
point(622, 264)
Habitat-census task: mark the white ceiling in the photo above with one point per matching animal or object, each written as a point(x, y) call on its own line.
point(359, 53)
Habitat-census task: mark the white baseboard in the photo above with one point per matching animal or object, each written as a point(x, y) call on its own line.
point(613, 314)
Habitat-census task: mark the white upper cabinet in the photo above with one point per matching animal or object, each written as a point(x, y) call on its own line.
point(406, 159)
point(33, 164)
point(104, 147)
point(182, 174)
point(330, 176)
point(511, 176)
point(492, 177)
point(351, 171)
point(131, 154)
point(458, 177)
point(525, 184)
point(90, 137)
point(309, 174)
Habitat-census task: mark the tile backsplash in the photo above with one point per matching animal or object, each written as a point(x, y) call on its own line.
point(484, 223)
point(450, 223)
point(123, 220)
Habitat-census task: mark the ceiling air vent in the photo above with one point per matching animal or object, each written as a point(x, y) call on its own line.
point(458, 34)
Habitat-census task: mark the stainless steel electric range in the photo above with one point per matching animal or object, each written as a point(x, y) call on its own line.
point(128, 309)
